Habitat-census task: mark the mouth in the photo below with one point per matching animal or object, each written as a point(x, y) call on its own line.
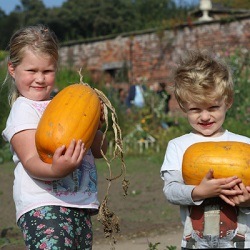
point(206, 125)
point(38, 88)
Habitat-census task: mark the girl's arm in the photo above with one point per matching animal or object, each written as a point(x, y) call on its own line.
point(99, 144)
point(64, 161)
point(96, 146)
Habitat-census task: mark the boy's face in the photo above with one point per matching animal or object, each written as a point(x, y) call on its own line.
point(207, 119)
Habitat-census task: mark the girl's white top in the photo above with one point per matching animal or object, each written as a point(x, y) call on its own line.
point(78, 189)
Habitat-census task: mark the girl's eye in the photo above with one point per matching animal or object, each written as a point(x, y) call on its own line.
point(49, 71)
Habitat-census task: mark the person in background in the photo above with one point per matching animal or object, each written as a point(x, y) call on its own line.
point(54, 202)
point(122, 95)
point(165, 97)
point(135, 96)
point(216, 213)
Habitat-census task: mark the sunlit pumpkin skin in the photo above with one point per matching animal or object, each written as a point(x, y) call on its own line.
point(226, 158)
point(74, 113)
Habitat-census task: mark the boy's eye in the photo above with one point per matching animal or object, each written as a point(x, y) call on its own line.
point(48, 71)
point(213, 108)
point(194, 110)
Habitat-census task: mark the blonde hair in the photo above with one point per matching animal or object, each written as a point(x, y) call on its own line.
point(40, 39)
point(201, 78)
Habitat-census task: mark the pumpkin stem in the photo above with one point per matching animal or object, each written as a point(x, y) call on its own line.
point(108, 219)
point(118, 150)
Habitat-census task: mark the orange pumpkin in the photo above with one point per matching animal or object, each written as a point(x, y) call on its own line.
point(226, 158)
point(74, 113)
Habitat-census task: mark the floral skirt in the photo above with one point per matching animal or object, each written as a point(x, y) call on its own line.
point(57, 228)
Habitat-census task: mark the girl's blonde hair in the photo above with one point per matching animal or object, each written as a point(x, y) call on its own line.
point(201, 78)
point(40, 39)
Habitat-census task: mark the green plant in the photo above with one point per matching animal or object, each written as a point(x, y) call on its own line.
point(171, 248)
point(67, 76)
point(240, 111)
point(5, 154)
point(153, 246)
point(3, 55)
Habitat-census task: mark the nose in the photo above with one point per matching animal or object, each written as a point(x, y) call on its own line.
point(205, 115)
point(40, 78)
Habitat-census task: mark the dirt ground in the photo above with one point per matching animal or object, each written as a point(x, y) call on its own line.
point(144, 214)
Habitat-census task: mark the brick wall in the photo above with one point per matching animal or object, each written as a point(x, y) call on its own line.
point(153, 53)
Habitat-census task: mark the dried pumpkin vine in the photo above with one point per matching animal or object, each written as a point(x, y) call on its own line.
point(108, 218)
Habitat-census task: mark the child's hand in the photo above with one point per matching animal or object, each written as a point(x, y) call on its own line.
point(66, 161)
point(241, 200)
point(210, 187)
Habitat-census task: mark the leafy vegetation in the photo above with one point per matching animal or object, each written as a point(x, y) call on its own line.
point(154, 246)
point(238, 117)
point(239, 4)
point(77, 19)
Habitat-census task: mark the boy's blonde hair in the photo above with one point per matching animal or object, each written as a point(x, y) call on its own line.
point(202, 78)
point(40, 39)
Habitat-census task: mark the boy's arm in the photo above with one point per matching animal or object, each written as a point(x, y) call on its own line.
point(242, 200)
point(224, 188)
point(176, 191)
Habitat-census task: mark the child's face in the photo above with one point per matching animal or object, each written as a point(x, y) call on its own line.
point(207, 119)
point(34, 76)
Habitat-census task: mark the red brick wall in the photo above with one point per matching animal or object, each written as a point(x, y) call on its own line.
point(153, 54)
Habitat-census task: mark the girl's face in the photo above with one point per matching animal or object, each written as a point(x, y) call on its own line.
point(207, 119)
point(34, 76)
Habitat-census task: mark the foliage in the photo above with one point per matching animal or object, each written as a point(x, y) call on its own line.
point(67, 76)
point(234, 4)
point(151, 120)
point(154, 246)
point(77, 19)
point(4, 105)
point(3, 55)
point(5, 154)
point(240, 111)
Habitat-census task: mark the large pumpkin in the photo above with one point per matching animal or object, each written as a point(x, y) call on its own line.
point(226, 158)
point(74, 113)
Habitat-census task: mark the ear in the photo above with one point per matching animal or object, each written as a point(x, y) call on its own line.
point(11, 69)
point(229, 104)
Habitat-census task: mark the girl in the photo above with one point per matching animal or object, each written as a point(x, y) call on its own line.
point(53, 201)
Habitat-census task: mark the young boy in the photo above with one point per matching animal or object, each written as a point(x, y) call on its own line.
point(216, 213)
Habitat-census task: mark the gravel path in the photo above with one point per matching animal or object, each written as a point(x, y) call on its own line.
point(171, 239)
